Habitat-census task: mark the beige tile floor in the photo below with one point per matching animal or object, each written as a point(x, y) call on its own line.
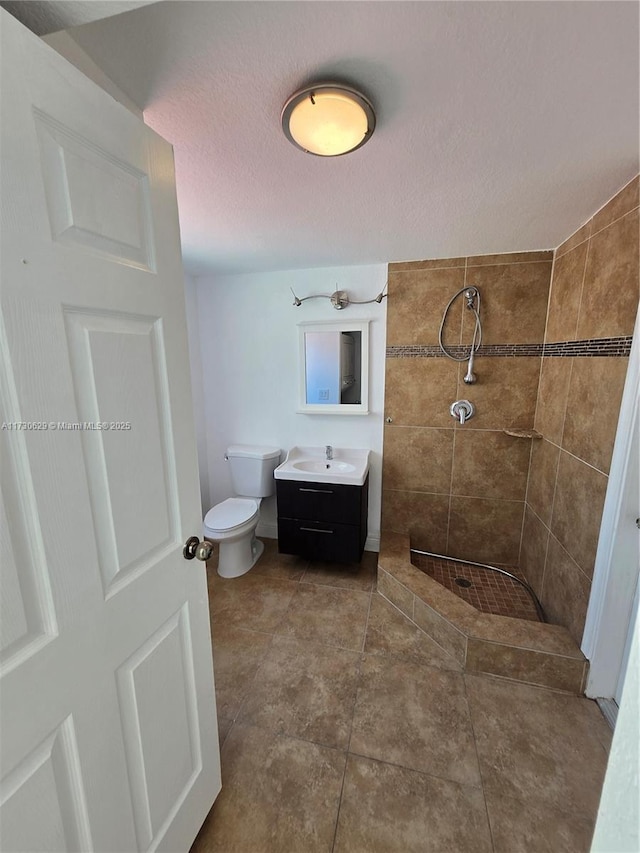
point(344, 728)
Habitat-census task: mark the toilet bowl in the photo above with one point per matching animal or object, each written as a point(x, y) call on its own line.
point(232, 522)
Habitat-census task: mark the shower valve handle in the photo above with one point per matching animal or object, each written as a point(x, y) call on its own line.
point(462, 410)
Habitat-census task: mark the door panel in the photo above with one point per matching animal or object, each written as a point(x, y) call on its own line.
point(94, 200)
point(27, 618)
point(143, 510)
point(150, 706)
point(107, 722)
point(51, 777)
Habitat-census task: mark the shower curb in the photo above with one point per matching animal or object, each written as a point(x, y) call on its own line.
point(519, 650)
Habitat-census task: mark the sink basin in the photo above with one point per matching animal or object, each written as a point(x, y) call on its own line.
point(348, 466)
point(320, 467)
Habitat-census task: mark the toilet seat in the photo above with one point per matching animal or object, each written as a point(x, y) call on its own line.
point(231, 513)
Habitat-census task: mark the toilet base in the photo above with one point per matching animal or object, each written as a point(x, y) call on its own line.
point(238, 557)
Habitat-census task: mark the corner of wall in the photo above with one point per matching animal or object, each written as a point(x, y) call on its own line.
point(197, 386)
point(64, 44)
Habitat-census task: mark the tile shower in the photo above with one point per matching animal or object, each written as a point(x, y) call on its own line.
point(557, 329)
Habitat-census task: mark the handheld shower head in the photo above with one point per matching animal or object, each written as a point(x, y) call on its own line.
point(470, 377)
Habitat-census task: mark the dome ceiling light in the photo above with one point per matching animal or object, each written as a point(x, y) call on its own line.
point(328, 119)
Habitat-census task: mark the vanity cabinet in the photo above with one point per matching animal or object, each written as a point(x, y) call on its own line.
point(322, 521)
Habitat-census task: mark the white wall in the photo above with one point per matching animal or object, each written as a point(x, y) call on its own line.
point(249, 349)
point(67, 46)
point(195, 359)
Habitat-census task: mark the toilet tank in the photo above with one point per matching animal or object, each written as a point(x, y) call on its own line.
point(252, 467)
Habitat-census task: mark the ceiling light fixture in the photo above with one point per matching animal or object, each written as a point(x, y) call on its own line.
point(328, 119)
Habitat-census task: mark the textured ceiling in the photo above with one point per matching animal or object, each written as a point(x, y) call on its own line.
point(50, 16)
point(502, 126)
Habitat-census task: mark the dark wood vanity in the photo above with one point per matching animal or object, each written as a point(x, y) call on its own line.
point(322, 521)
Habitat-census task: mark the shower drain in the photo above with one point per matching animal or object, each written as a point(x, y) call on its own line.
point(463, 582)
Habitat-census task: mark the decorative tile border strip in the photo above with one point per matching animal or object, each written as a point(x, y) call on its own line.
point(417, 351)
point(593, 347)
point(565, 349)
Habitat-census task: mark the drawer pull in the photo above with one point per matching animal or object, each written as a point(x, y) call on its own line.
point(314, 530)
point(319, 491)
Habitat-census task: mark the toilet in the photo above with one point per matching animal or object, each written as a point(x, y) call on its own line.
point(232, 523)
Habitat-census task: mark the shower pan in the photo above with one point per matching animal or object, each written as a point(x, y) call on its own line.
point(487, 588)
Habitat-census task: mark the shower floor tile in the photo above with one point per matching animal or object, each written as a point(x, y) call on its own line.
point(487, 591)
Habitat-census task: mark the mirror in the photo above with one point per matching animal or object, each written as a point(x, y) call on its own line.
point(334, 368)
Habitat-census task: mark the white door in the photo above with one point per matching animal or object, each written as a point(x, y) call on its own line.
point(108, 719)
point(626, 549)
point(614, 592)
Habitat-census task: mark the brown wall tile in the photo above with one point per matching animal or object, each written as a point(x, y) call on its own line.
point(577, 509)
point(533, 553)
point(417, 459)
point(513, 303)
point(525, 634)
point(552, 397)
point(564, 298)
point(583, 233)
point(512, 392)
point(542, 478)
point(561, 673)
point(620, 204)
point(490, 464)
point(595, 394)
point(485, 530)
point(610, 293)
point(566, 590)
point(422, 516)
point(419, 391)
point(509, 258)
point(395, 592)
point(443, 632)
point(429, 264)
point(417, 300)
point(505, 394)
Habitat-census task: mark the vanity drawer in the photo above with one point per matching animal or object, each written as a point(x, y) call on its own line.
point(321, 501)
point(334, 542)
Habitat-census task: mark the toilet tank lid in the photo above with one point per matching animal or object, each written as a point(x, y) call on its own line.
point(253, 451)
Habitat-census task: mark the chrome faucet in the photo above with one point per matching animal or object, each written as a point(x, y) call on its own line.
point(329, 452)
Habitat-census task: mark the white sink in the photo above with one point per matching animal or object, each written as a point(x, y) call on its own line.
point(348, 466)
point(320, 467)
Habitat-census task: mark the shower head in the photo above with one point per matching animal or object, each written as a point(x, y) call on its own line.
point(470, 377)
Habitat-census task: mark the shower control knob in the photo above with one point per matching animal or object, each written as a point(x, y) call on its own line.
point(462, 410)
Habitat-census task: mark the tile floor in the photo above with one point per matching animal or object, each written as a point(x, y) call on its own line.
point(344, 728)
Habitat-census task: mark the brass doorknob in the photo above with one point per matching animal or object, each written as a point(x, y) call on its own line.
point(204, 551)
point(193, 547)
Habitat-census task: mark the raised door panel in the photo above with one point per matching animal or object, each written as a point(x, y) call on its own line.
point(27, 615)
point(130, 464)
point(151, 707)
point(95, 201)
point(47, 785)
